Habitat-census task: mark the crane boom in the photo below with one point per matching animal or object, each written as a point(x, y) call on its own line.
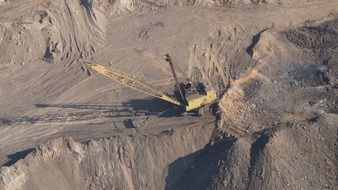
point(130, 82)
point(178, 86)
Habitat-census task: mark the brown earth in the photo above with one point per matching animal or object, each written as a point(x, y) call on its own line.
point(273, 63)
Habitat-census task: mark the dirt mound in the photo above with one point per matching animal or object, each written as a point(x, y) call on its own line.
point(321, 38)
point(287, 157)
point(287, 127)
point(253, 91)
point(113, 163)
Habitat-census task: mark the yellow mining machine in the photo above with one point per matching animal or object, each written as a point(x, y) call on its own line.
point(189, 96)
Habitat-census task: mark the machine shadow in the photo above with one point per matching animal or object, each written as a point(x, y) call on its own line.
point(154, 106)
point(130, 109)
point(150, 106)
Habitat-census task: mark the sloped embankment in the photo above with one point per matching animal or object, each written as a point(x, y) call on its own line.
point(114, 163)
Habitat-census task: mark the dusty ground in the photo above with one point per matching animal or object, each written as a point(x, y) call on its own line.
point(274, 64)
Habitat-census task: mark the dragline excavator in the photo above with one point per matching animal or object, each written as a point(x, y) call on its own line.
point(188, 96)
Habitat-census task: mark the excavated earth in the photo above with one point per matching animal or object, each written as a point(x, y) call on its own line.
point(273, 63)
